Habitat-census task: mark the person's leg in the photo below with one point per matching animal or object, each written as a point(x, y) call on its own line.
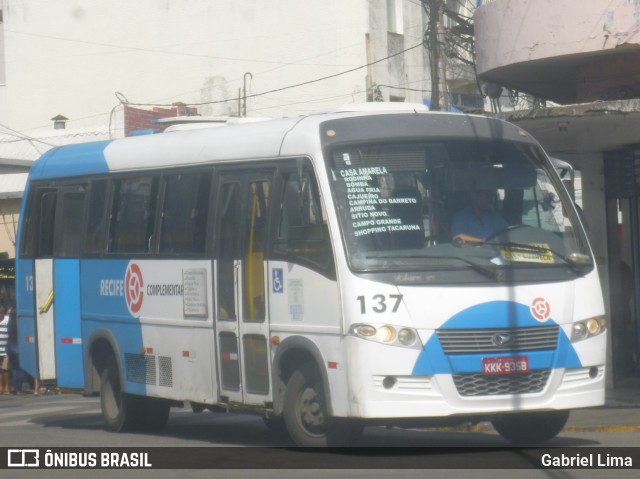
point(4, 377)
point(17, 376)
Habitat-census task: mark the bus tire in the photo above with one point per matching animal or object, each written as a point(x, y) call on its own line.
point(530, 428)
point(121, 412)
point(305, 413)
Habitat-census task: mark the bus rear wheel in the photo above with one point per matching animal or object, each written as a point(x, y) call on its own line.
point(305, 413)
point(121, 411)
point(530, 428)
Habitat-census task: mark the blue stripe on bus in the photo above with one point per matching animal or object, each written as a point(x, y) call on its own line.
point(104, 307)
point(495, 314)
point(69, 358)
point(71, 160)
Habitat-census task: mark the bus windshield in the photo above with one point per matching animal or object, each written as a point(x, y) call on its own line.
point(454, 205)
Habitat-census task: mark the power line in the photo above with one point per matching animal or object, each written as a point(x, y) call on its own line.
point(140, 49)
point(126, 102)
point(404, 88)
point(22, 136)
point(309, 82)
point(304, 102)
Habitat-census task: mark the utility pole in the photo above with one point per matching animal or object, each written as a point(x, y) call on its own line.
point(442, 58)
point(367, 43)
point(433, 9)
point(244, 92)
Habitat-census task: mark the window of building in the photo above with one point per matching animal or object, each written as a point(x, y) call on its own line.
point(395, 21)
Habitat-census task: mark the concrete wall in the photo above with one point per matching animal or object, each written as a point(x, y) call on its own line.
point(514, 31)
point(402, 76)
point(70, 58)
point(3, 95)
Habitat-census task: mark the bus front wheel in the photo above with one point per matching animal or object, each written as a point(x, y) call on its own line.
point(530, 428)
point(121, 412)
point(305, 413)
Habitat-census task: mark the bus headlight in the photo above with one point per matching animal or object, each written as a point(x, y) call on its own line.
point(363, 330)
point(406, 336)
point(386, 334)
point(588, 328)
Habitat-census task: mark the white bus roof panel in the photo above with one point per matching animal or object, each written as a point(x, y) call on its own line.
point(231, 142)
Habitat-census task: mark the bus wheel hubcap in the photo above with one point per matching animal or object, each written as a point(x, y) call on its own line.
point(310, 409)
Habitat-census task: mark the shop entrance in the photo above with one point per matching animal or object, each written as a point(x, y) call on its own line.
point(623, 231)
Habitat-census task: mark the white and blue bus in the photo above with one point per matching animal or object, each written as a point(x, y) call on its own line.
point(311, 270)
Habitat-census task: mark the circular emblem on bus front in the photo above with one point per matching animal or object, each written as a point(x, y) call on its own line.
point(540, 309)
point(501, 339)
point(133, 288)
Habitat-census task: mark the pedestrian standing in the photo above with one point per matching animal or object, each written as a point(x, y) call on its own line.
point(16, 373)
point(4, 352)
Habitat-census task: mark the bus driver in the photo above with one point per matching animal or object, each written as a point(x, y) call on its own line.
point(477, 221)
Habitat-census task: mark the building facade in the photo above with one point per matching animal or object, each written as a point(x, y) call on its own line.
point(252, 58)
point(582, 59)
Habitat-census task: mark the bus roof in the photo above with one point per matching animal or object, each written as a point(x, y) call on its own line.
point(264, 139)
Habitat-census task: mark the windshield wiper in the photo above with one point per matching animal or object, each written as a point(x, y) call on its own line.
point(488, 272)
point(575, 265)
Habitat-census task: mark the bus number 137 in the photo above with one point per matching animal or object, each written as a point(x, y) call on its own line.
point(380, 303)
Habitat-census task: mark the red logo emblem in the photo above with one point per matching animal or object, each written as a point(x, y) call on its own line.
point(133, 288)
point(540, 309)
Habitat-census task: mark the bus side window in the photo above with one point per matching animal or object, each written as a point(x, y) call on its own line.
point(46, 222)
point(38, 224)
point(97, 217)
point(69, 222)
point(132, 216)
point(302, 232)
point(228, 249)
point(185, 213)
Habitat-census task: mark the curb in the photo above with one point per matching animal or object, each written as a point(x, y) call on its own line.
point(602, 428)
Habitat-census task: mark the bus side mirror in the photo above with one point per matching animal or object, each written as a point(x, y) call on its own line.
point(568, 184)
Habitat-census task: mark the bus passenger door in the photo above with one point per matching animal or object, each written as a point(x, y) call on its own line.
point(242, 324)
point(43, 279)
point(45, 333)
point(57, 268)
point(66, 279)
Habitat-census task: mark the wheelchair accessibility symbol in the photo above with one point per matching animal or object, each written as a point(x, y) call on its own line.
point(277, 280)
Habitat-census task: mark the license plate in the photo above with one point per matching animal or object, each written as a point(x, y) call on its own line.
point(505, 365)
